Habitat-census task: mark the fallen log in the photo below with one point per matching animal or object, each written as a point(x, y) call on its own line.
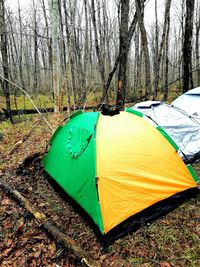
point(26, 111)
point(46, 223)
point(42, 110)
point(49, 110)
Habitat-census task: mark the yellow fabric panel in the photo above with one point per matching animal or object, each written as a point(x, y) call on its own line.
point(136, 167)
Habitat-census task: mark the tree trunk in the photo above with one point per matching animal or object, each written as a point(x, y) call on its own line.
point(4, 55)
point(160, 52)
point(54, 14)
point(197, 46)
point(70, 51)
point(123, 38)
point(36, 68)
point(144, 41)
point(63, 46)
point(156, 68)
point(49, 45)
point(187, 46)
point(166, 88)
point(104, 97)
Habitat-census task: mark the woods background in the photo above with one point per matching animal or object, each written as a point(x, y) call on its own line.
point(95, 50)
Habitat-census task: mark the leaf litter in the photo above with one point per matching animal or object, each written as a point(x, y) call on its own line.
point(173, 240)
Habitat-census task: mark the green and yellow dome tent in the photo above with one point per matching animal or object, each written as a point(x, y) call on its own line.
point(120, 169)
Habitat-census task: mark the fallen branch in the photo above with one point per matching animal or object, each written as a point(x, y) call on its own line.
point(20, 142)
point(48, 110)
point(41, 218)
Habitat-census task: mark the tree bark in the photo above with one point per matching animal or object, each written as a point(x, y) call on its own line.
point(49, 45)
point(4, 55)
point(144, 41)
point(123, 38)
point(70, 49)
point(166, 88)
point(160, 50)
point(104, 97)
point(54, 14)
point(187, 46)
point(155, 58)
point(197, 46)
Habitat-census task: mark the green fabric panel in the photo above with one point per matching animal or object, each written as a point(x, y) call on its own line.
point(76, 175)
point(76, 114)
point(171, 141)
point(135, 112)
point(193, 173)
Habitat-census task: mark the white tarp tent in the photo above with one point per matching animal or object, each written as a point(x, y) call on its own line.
point(180, 126)
point(189, 102)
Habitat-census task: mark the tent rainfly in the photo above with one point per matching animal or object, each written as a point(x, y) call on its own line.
point(182, 128)
point(120, 169)
point(189, 102)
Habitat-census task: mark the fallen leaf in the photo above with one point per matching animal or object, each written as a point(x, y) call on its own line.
point(52, 248)
point(6, 201)
point(18, 253)
point(33, 263)
point(20, 225)
point(6, 251)
point(7, 225)
point(165, 264)
point(8, 242)
point(37, 254)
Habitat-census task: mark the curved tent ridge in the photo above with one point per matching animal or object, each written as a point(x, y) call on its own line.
point(189, 102)
point(194, 91)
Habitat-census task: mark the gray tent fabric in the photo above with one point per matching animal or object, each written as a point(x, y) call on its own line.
point(180, 126)
point(189, 102)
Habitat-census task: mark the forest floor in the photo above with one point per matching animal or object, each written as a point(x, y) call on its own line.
point(173, 240)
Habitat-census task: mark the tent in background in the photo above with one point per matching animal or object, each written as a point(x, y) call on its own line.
point(181, 127)
point(189, 102)
point(120, 169)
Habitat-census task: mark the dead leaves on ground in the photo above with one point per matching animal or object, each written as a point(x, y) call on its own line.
point(170, 241)
point(22, 242)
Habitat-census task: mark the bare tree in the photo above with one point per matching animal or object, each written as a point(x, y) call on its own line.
point(187, 46)
point(123, 34)
point(197, 44)
point(49, 42)
point(166, 89)
point(4, 55)
point(98, 52)
point(161, 47)
point(54, 11)
point(155, 54)
point(140, 12)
